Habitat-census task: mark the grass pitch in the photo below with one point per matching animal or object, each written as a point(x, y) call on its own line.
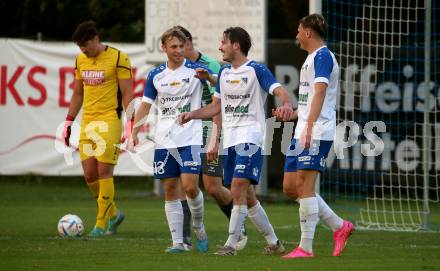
point(29, 212)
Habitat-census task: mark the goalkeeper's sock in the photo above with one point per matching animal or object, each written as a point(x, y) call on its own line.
point(328, 216)
point(308, 217)
point(105, 202)
point(94, 188)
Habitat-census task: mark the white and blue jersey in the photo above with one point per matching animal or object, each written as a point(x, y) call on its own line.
point(243, 92)
point(174, 92)
point(320, 66)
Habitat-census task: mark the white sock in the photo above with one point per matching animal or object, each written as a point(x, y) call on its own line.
point(197, 209)
point(308, 216)
point(238, 215)
point(174, 213)
point(328, 215)
point(259, 217)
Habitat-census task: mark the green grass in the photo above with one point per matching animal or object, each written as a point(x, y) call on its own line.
point(28, 236)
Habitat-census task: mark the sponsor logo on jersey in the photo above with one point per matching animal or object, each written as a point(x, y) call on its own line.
point(175, 83)
point(237, 96)
point(171, 111)
point(233, 82)
point(303, 98)
point(304, 158)
point(168, 111)
point(164, 100)
point(185, 108)
point(237, 109)
point(92, 77)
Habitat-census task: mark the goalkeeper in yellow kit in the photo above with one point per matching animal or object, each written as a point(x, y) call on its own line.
point(103, 87)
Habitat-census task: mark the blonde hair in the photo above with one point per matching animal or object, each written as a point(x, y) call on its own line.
point(173, 32)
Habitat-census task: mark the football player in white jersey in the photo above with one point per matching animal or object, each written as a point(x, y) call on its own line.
point(212, 162)
point(173, 88)
point(241, 91)
point(314, 136)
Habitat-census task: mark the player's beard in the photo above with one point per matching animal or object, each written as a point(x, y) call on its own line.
point(226, 57)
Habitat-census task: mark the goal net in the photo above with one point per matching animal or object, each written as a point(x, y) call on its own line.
point(380, 47)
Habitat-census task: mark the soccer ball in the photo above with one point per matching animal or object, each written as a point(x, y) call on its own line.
point(70, 226)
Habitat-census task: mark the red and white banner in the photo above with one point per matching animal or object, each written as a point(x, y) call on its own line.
point(36, 83)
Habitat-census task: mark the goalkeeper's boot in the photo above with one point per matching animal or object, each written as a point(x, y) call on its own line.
point(113, 223)
point(340, 237)
point(96, 233)
point(298, 252)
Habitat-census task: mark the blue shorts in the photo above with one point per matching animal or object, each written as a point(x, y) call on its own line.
point(242, 161)
point(311, 159)
point(170, 163)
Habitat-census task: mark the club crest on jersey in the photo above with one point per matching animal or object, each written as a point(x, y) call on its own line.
point(185, 80)
point(92, 77)
point(304, 67)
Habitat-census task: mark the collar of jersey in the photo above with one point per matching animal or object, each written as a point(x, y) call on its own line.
point(242, 65)
point(318, 49)
point(183, 65)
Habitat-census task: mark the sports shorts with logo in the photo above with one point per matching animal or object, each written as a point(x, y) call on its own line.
point(170, 163)
point(100, 139)
point(243, 161)
point(312, 159)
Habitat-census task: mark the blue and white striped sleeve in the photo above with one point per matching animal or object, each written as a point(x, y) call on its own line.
point(323, 63)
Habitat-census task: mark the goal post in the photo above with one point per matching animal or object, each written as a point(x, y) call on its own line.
point(390, 73)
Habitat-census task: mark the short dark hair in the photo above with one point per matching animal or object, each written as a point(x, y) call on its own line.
point(186, 32)
point(238, 34)
point(173, 32)
point(316, 22)
point(84, 32)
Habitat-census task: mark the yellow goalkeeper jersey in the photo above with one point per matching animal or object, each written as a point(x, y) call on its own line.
point(102, 98)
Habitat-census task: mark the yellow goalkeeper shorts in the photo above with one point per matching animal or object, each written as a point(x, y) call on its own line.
point(100, 139)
